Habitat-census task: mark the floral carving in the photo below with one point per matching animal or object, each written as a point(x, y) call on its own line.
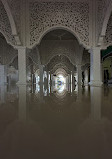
point(71, 15)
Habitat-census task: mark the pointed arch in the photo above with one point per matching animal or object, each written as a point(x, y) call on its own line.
point(58, 27)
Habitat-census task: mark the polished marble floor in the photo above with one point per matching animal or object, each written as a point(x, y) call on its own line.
point(58, 122)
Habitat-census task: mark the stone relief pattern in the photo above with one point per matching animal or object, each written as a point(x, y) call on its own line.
point(16, 9)
point(7, 53)
point(102, 7)
point(108, 37)
point(73, 15)
point(5, 25)
point(50, 48)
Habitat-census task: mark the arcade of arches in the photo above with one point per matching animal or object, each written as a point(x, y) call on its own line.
point(60, 53)
point(36, 35)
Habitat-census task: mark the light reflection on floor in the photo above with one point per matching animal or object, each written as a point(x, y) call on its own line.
point(47, 123)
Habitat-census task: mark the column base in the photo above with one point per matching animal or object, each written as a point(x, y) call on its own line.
point(96, 83)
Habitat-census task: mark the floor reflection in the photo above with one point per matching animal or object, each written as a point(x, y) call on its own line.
point(55, 121)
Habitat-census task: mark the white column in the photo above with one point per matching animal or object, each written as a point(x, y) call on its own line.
point(86, 74)
point(47, 82)
point(95, 72)
point(22, 65)
point(71, 78)
point(79, 72)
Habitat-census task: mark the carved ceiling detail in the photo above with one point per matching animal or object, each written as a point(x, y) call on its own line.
point(47, 15)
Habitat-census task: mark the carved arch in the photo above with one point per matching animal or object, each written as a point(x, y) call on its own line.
point(62, 55)
point(12, 22)
point(58, 27)
point(63, 67)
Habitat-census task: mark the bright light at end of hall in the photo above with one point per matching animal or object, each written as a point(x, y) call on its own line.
point(61, 78)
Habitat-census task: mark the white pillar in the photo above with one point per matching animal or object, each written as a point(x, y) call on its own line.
point(86, 74)
point(41, 67)
point(79, 72)
point(71, 78)
point(22, 65)
point(47, 82)
point(95, 72)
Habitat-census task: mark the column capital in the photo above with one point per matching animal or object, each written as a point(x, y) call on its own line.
point(92, 49)
point(20, 47)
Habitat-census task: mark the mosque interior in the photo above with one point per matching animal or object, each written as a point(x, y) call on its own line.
point(55, 79)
